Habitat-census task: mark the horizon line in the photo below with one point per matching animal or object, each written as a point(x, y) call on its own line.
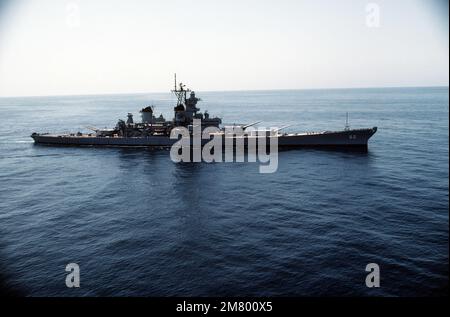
point(224, 91)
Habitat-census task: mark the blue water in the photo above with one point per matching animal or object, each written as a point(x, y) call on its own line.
point(139, 224)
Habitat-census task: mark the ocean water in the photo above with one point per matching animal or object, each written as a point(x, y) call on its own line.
point(140, 225)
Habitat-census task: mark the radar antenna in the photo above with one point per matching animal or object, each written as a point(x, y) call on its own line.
point(175, 81)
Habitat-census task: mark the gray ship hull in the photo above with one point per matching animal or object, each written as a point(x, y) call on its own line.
point(343, 139)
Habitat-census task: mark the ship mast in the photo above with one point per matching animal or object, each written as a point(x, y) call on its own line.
point(347, 127)
point(180, 92)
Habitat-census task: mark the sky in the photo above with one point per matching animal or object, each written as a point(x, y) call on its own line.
point(70, 47)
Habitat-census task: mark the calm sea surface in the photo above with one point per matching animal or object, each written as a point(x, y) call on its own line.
point(139, 224)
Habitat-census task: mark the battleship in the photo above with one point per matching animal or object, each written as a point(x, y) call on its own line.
point(155, 131)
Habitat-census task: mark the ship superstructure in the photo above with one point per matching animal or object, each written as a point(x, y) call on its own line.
point(185, 112)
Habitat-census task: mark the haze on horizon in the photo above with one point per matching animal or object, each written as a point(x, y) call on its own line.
point(51, 47)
